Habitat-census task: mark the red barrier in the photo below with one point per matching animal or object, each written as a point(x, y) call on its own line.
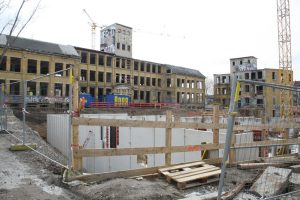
point(133, 105)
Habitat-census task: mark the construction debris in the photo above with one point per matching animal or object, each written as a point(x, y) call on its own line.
point(273, 181)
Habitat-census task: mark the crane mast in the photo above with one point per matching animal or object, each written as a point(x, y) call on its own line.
point(285, 57)
point(93, 29)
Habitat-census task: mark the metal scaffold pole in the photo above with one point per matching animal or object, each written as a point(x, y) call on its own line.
point(24, 110)
point(70, 120)
point(232, 113)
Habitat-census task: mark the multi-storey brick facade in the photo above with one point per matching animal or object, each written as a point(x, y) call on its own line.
point(103, 73)
point(254, 100)
point(100, 73)
point(27, 59)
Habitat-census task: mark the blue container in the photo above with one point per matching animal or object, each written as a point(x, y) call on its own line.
point(87, 98)
point(118, 100)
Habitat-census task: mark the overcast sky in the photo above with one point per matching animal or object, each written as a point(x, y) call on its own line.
point(197, 34)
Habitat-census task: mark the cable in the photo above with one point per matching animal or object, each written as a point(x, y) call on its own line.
point(38, 151)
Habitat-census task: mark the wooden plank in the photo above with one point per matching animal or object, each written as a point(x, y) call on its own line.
point(118, 122)
point(112, 175)
point(186, 185)
point(168, 138)
point(77, 159)
point(119, 152)
point(232, 193)
point(199, 176)
point(232, 151)
point(181, 166)
point(171, 176)
point(259, 165)
point(198, 169)
point(188, 175)
point(162, 124)
point(158, 150)
point(216, 121)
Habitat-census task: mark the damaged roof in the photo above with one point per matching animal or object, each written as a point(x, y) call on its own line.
point(38, 46)
point(184, 71)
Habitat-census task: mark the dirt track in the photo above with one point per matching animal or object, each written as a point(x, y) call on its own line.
point(21, 178)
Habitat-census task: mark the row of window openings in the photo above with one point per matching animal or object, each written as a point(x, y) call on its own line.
point(225, 91)
point(123, 46)
point(259, 102)
point(15, 66)
point(15, 89)
point(241, 62)
point(121, 63)
point(224, 79)
point(120, 78)
point(188, 84)
point(253, 75)
point(189, 97)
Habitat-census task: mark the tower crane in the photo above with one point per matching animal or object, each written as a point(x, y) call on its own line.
point(285, 57)
point(93, 28)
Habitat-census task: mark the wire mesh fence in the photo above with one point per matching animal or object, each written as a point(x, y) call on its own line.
point(24, 105)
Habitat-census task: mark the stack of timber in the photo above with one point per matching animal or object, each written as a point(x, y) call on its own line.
point(191, 174)
point(282, 161)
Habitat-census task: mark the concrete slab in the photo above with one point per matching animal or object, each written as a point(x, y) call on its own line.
point(272, 182)
point(295, 168)
point(295, 181)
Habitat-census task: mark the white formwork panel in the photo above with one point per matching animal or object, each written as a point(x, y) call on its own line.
point(247, 153)
point(57, 132)
point(196, 137)
point(160, 141)
point(118, 163)
point(178, 139)
point(241, 154)
point(142, 137)
point(90, 138)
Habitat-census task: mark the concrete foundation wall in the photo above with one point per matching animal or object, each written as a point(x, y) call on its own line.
point(135, 137)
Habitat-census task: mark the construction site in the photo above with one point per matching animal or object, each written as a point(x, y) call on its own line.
point(79, 123)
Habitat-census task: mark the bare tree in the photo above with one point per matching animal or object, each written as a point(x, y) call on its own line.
point(12, 26)
point(209, 84)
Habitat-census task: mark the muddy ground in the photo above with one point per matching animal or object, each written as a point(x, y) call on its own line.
point(27, 175)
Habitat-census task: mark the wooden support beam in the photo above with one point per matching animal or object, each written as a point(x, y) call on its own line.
point(168, 138)
point(125, 174)
point(159, 150)
point(76, 159)
point(232, 151)
point(216, 122)
point(216, 133)
point(162, 124)
point(111, 175)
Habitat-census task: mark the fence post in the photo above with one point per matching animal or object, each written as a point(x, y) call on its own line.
point(24, 109)
point(1, 109)
point(168, 138)
point(76, 161)
point(235, 89)
point(215, 153)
